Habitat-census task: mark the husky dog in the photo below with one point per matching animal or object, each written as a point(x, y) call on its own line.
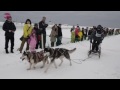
point(58, 53)
point(35, 57)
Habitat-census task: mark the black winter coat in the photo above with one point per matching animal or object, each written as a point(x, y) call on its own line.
point(98, 36)
point(89, 32)
point(9, 26)
point(42, 27)
point(59, 31)
point(38, 31)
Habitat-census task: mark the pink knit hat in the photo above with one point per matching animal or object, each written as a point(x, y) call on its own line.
point(7, 16)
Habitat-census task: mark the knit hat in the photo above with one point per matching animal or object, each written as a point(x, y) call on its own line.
point(8, 17)
point(35, 24)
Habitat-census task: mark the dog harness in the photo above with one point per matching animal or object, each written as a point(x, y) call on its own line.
point(55, 50)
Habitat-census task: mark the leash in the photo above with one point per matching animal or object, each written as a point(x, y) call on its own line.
point(77, 62)
point(80, 60)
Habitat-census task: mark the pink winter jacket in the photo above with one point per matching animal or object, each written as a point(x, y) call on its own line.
point(32, 41)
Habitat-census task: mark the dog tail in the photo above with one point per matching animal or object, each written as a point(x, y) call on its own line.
point(71, 51)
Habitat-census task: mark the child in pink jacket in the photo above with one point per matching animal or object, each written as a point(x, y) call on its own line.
point(32, 41)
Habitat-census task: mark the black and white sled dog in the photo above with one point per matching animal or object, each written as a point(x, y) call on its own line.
point(34, 58)
point(58, 53)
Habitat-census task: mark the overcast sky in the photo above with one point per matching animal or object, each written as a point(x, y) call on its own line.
point(83, 18)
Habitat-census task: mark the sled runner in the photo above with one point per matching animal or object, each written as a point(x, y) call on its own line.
point(90, 52)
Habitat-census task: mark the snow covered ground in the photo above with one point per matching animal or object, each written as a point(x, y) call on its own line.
point(108, 66)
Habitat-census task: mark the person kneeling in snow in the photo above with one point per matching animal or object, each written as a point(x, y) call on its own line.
point(97, 36)
point(32, 41)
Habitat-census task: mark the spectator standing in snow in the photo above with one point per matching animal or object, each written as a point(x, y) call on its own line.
point(76, 34)
point(73, 28)
point(32, 41)
point(73, 34)
point(27, 30)
point(42, 27)
point(38, 36)
point(82, 34)
point(9, 28)
point(54, 35)
point(85, 34)
point(59, 38)
point(89, 33)
point(113, 31)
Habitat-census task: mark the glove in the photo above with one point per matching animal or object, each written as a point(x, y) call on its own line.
point(10, 30)
point(46, 25)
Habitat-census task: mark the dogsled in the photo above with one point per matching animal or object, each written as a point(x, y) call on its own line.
point(91, 52)
point(95, 41)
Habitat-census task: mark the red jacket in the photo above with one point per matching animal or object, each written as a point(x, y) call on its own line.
point(76, 31)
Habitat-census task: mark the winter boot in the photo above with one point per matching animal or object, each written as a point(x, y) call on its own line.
point(52, 44)
point(12, 51)
point(6, 51)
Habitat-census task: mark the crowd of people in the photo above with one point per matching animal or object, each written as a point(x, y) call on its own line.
point(96, 34)
point(82, 34)
point(78, 34)
point(35, 37)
